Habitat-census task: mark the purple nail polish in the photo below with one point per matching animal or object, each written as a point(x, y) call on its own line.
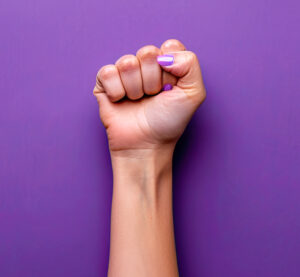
point(167, 87)
point(165, 60)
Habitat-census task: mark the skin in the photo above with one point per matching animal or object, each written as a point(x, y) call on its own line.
point(143, 124)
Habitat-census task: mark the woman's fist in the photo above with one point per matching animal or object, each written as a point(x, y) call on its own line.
point(146, 100)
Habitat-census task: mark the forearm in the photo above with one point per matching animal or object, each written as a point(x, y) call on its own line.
point(142, 236)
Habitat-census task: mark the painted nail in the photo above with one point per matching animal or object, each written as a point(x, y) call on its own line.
point(167, 87)
point(165, 60)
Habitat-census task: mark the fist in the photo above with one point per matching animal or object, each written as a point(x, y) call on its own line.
point(146, 100)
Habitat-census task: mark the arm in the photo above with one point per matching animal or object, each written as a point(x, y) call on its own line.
point(142, 133)
point(142, 238)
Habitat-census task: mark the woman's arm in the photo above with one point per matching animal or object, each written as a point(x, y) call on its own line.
point(146, 100)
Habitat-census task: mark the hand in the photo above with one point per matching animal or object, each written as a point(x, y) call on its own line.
point(135, 111)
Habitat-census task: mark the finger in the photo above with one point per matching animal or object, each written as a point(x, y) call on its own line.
point(108, 77)
point(170, 45)
point(106, 107)
point(129, 69)
point(98, 88)
point(102, 98)
point(150, 69)
point(185, 66)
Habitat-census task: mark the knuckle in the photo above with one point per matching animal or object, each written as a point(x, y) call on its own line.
point(127, 62)
point(106, 72)
point(173, 43)
point(148, 52)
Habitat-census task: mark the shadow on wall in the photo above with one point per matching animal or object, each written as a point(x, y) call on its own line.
point(194, 165)
point(200, 135)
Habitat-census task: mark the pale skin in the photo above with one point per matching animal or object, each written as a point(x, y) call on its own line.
point(143, 124)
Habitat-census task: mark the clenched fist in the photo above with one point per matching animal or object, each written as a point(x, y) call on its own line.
point(146, 100)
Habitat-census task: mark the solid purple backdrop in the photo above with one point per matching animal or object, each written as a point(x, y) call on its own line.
point(236, 169)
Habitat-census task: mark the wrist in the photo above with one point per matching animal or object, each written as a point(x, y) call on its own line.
point(142, 154)
point(144, 171)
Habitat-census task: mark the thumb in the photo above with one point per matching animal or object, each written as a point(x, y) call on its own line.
point(185, 66)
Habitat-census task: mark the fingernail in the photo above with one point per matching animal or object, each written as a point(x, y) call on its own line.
point(165, 60)
point(167, 87)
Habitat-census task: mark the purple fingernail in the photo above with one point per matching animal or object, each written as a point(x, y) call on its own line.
point(167, 87)
point(165, 60)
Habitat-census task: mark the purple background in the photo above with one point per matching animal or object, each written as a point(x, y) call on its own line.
point(237, 173)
